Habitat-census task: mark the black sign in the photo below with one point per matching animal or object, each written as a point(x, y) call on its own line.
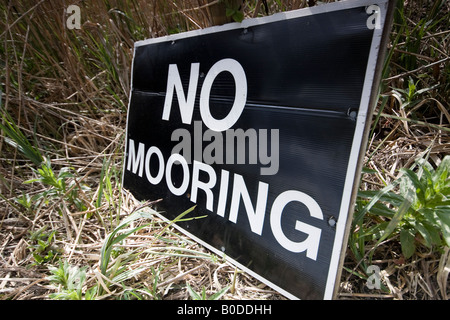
point(260, 125)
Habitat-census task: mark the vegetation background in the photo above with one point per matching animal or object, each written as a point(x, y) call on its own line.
point(68, 230)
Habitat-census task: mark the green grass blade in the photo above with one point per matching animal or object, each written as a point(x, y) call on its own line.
point(402, 210)
point(177, 219)
point(18, 140)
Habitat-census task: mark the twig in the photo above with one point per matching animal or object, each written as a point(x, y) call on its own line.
point(23, 15)
point(180, 276)
point(27, 287)
point(415, 70)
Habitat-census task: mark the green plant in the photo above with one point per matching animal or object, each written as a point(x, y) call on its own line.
point(42, 246)
point(202, 296)
point(410, 97)
point(70, 280)
point(429, 212)
point(143, 292)
point(117, 272)
point(15, 138)
point(62, 185)
point(25, 201)
point(116, 236)
point(106, 189)
point(419, 212)
point(233, 10)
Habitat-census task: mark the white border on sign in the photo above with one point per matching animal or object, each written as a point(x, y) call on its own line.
point(355, 150)
point(358, 134)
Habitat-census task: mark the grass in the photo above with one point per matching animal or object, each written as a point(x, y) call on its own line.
point(68, 230)
point(401, 216)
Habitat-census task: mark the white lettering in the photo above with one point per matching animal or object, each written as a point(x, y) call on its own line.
point(373, 22)
point(194, 310)
point(159, 176)
point(135, 160)
point(186, 104)
point(240, 98)
point(205, 186)
point(246, 309)
point(255, 216)
point(311, 243)
point(205, 178)
point(223, 193)
point(74, 20)
point(178, 191)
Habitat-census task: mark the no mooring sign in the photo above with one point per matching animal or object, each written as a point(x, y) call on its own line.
point(260, 124)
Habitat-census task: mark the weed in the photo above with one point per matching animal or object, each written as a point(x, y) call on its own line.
point(106, 190)
point(60, 186)
point(115, 237)
point(233, 10)
point(70, 279)
point(42, 247)
point(419, 212)
point(143, 293)
point(117, 272)
point(410, 97)
point(202, 296)
point(16, 138)
point(25, 201)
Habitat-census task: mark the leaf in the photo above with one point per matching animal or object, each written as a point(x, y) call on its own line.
point(444, 222)
point(429, 215)
point(368, 170)
point(407, 242)
point(100, 187)
point(128, 274)
point(404, 207)
point(238, 16)
point(230, 12)
point(360, 215)
point(376, 231)
point(418, 185)
point(433, 232)
point(38, 258)
point(219, 294)
point(390, 197)
point(194, 295)
point(18, 140)
point(381, 209)
point(111, 239)
point(178, 218)
point(444, 168)
point(423, 232)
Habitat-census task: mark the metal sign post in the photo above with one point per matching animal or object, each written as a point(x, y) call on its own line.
point(260, 124)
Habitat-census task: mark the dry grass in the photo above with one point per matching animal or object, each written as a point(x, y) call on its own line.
point(68, 92)
point(175, 259)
